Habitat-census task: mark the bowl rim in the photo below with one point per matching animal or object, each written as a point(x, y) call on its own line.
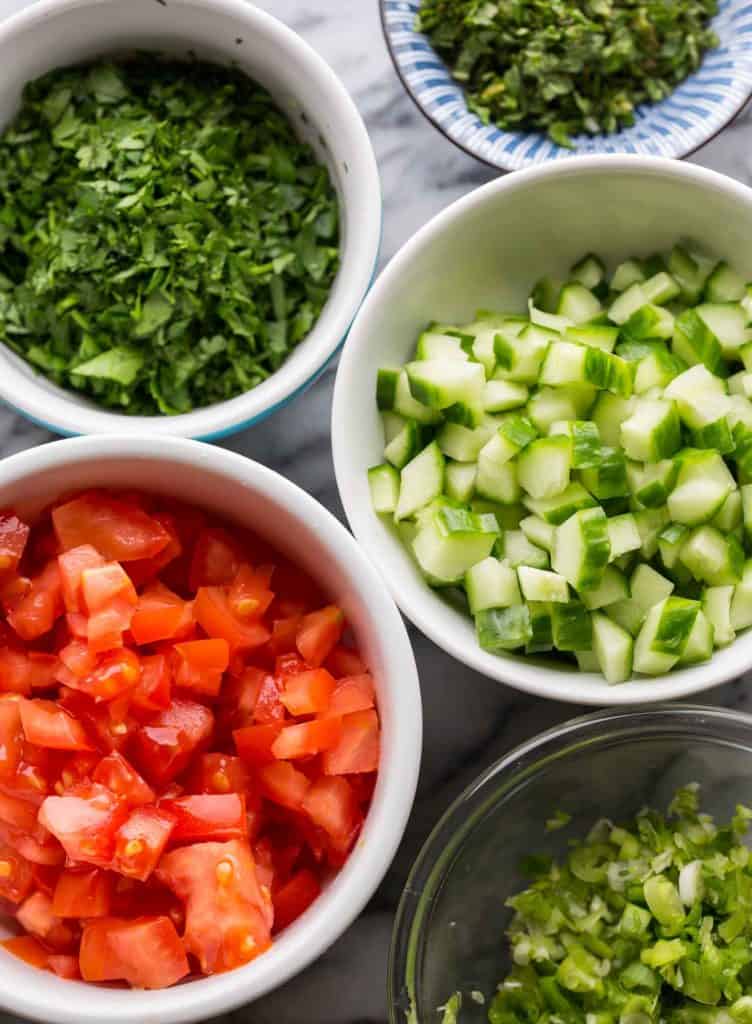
point(417, 601)
point(212, 422)
point(500, 165)
point(354, 885)
point(508, 771)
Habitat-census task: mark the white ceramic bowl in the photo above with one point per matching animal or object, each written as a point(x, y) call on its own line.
point(485, 251)
point(249, 494)
point(55, 33)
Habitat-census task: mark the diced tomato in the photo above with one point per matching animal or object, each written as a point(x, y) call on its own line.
point(284, 632)
point(141, 840)
point(38, 918)
point(160, 615)
point(120, 532)
point(228, 917)
point(358, 747)
point(78, 658)
point(13, 537)
point(146, 952)
point(16, 875)
point(254, 742)
point(294, 898)
point(307, 738)
point(83, 892)
point(85, 821)
point(154, 687)
point(116, 672)
point(46, 877)
point(45, 851)
point(250, 596)
point(319, 633)
point(203, 817)
point(142, 570)
point(11, 736)
point(201, 665)
point(48, 725)
point(269, 706)
point(42, 670)
point(36, 612)
point(343, 661)
point(220, 773)
point(283, 784)
point(108, 724)
point(352, 693)
point(64, 966)
point(72, 564)
point(214, 614)
point(18, 813)
point(122, 779)
point(15, 667)
point(216, 559)
point(308, 693)
point(331, 804)
point(239, 696)
point(163, 748)
point(28, 949)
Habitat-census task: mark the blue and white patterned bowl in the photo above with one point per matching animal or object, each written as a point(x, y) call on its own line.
point(701, 107)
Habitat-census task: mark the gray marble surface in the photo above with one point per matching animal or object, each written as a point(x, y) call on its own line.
point(469, 720)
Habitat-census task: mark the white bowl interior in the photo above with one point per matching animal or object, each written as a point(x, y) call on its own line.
point(247, 493)
point(58, 33)
point(485, 252)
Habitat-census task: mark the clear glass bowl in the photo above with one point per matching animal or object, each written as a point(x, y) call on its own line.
point(449, 931)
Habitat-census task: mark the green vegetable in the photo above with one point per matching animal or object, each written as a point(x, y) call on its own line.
point(165, 240)
point(566, 67)
point(643, 923)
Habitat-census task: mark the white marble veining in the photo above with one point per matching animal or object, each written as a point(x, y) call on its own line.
point(469, 720)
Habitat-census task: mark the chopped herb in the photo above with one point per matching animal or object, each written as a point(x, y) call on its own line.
point(559, 819)
point(567, 67)
point(645, 923)
point(165, 240)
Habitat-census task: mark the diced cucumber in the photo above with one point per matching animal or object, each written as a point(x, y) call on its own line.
point(406, 445)
point(631, 299)
point(545, 294)
point(434, 345)
point(497, 475)
point(569, 363)
point(724, 285)
point(716, 604)
point(582, 396)
point(670, 542)
point(384, 483)
point(421, 480)
point(459, 480)
point(727, 322)
point(648, 588)
point(656, 369)
point(550, 405)
point(651, 483)
point(650, 522)
point(623, 535)
point(386, 386)
point(626, 274)
point(746, 492)
point(730, 514)
point(713, 557)
point(571, 626)
point(586, 441)
point(627, 614)
point(608, 414)
point(507, 516)
point(550, 321)
point(660, 288)
point(740, 383)
point(538, 532)
point(484, 347)
point(542, 638)
point(587, 661)
point(519, 357)
point(652, 432)
point(699, 646)
point(440, 383)
point(741, 602)
point(517, 550)
point(613, 587)
point(407, 406)
point(589, 271)
point(689, 272)
point(697, 384)
point(556, 510)
point(451, 540)
point(602, 336)
point(581, 549)
point(501, 395)
point(745, 352)
point(541, 585)
point(694, 342)
point(467, 414)
point(392, 423)
point(613, 647)
point(609, 478)
point(577, 303)
point(464, 444)
point(544, 466)
point(703, 484)
point(512, 436)
point(491, 584)
point(503, 629)
point(650, 659)
point(647, 322)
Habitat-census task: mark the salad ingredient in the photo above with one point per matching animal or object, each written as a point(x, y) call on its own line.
point(166, 240)
point(188, 746)
point(582, 474)
point(568, 68)
point(645, 920)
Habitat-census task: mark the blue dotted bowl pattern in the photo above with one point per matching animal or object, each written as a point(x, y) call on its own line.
point(696, 111)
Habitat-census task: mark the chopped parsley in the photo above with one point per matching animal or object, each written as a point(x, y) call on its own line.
point(165, 240)
point(566, 67)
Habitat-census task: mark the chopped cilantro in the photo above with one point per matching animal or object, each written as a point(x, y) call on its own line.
point(165, 240)
point(566, 67)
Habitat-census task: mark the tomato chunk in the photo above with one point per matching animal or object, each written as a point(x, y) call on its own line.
point(13, 537)
point(207, 816)
point(141, 840)
point(250, 596)
point(36, 612)
point(163, 748)
point(220, 773)
point(358, 747)
point(64, 966)
point(160, 615)
point(85, 821)
point(146, 952)
point(38, 918)
point(11, 736)
point(119, 531)
point(307, 738)
point(294, 898)
point(28, 949)
point(307, 693)
point(153, 690)
point(331, 804)
point(228, 917)
point(83, 892)
point(121, 778)
point(202, 664)
point(216, 559)
point(16, 875)
point(254, 743)
point(352, 693)
point(284, 784)
point(48, 725)
point(343, 661)
point(319, 634)
point(215, 615)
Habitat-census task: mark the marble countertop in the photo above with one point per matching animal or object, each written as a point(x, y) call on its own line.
point(469, 721)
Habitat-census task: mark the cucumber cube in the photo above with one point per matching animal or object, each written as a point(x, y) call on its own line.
point(497, 481)
point(541, 585)
point(652, 432)
point(597, 335)
point(538, 532)
point(670, 542)
point(730, 515)
point(716, 604)
point(649, 660)
point(631, 299)
point(648, 588)
point(440, 383)
point(544, 467)
point(386, 386)
point(702, 486)
point(650, 522)
point(713, 557)
point(651, 483)
point(501, 395)
point(741, 602)
point(407, 406)
point(491, 584)
point(582, 548)
point(724, 285)
point(556, 510)
point(648, 322)
point(627, 614)
point(660, 288)
point(541, 627)
point(571, 627)
point(577, 303)
point(609, 478)
point(503, 629)
point(589, 271)
point(517, 550)
point(612, 588)
point(459, 480)
point(613, 647)
point(450, 540)
point(550, 405)
point(626, 274)
point(699, 646)
point(405, 445)
point(435, 345)
point(608, 414)
point(586, 441)
point(421, 480)
point(384, 484)
point(519, 357)
point(623, 535)
point(694, 342)
point(727, 322)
